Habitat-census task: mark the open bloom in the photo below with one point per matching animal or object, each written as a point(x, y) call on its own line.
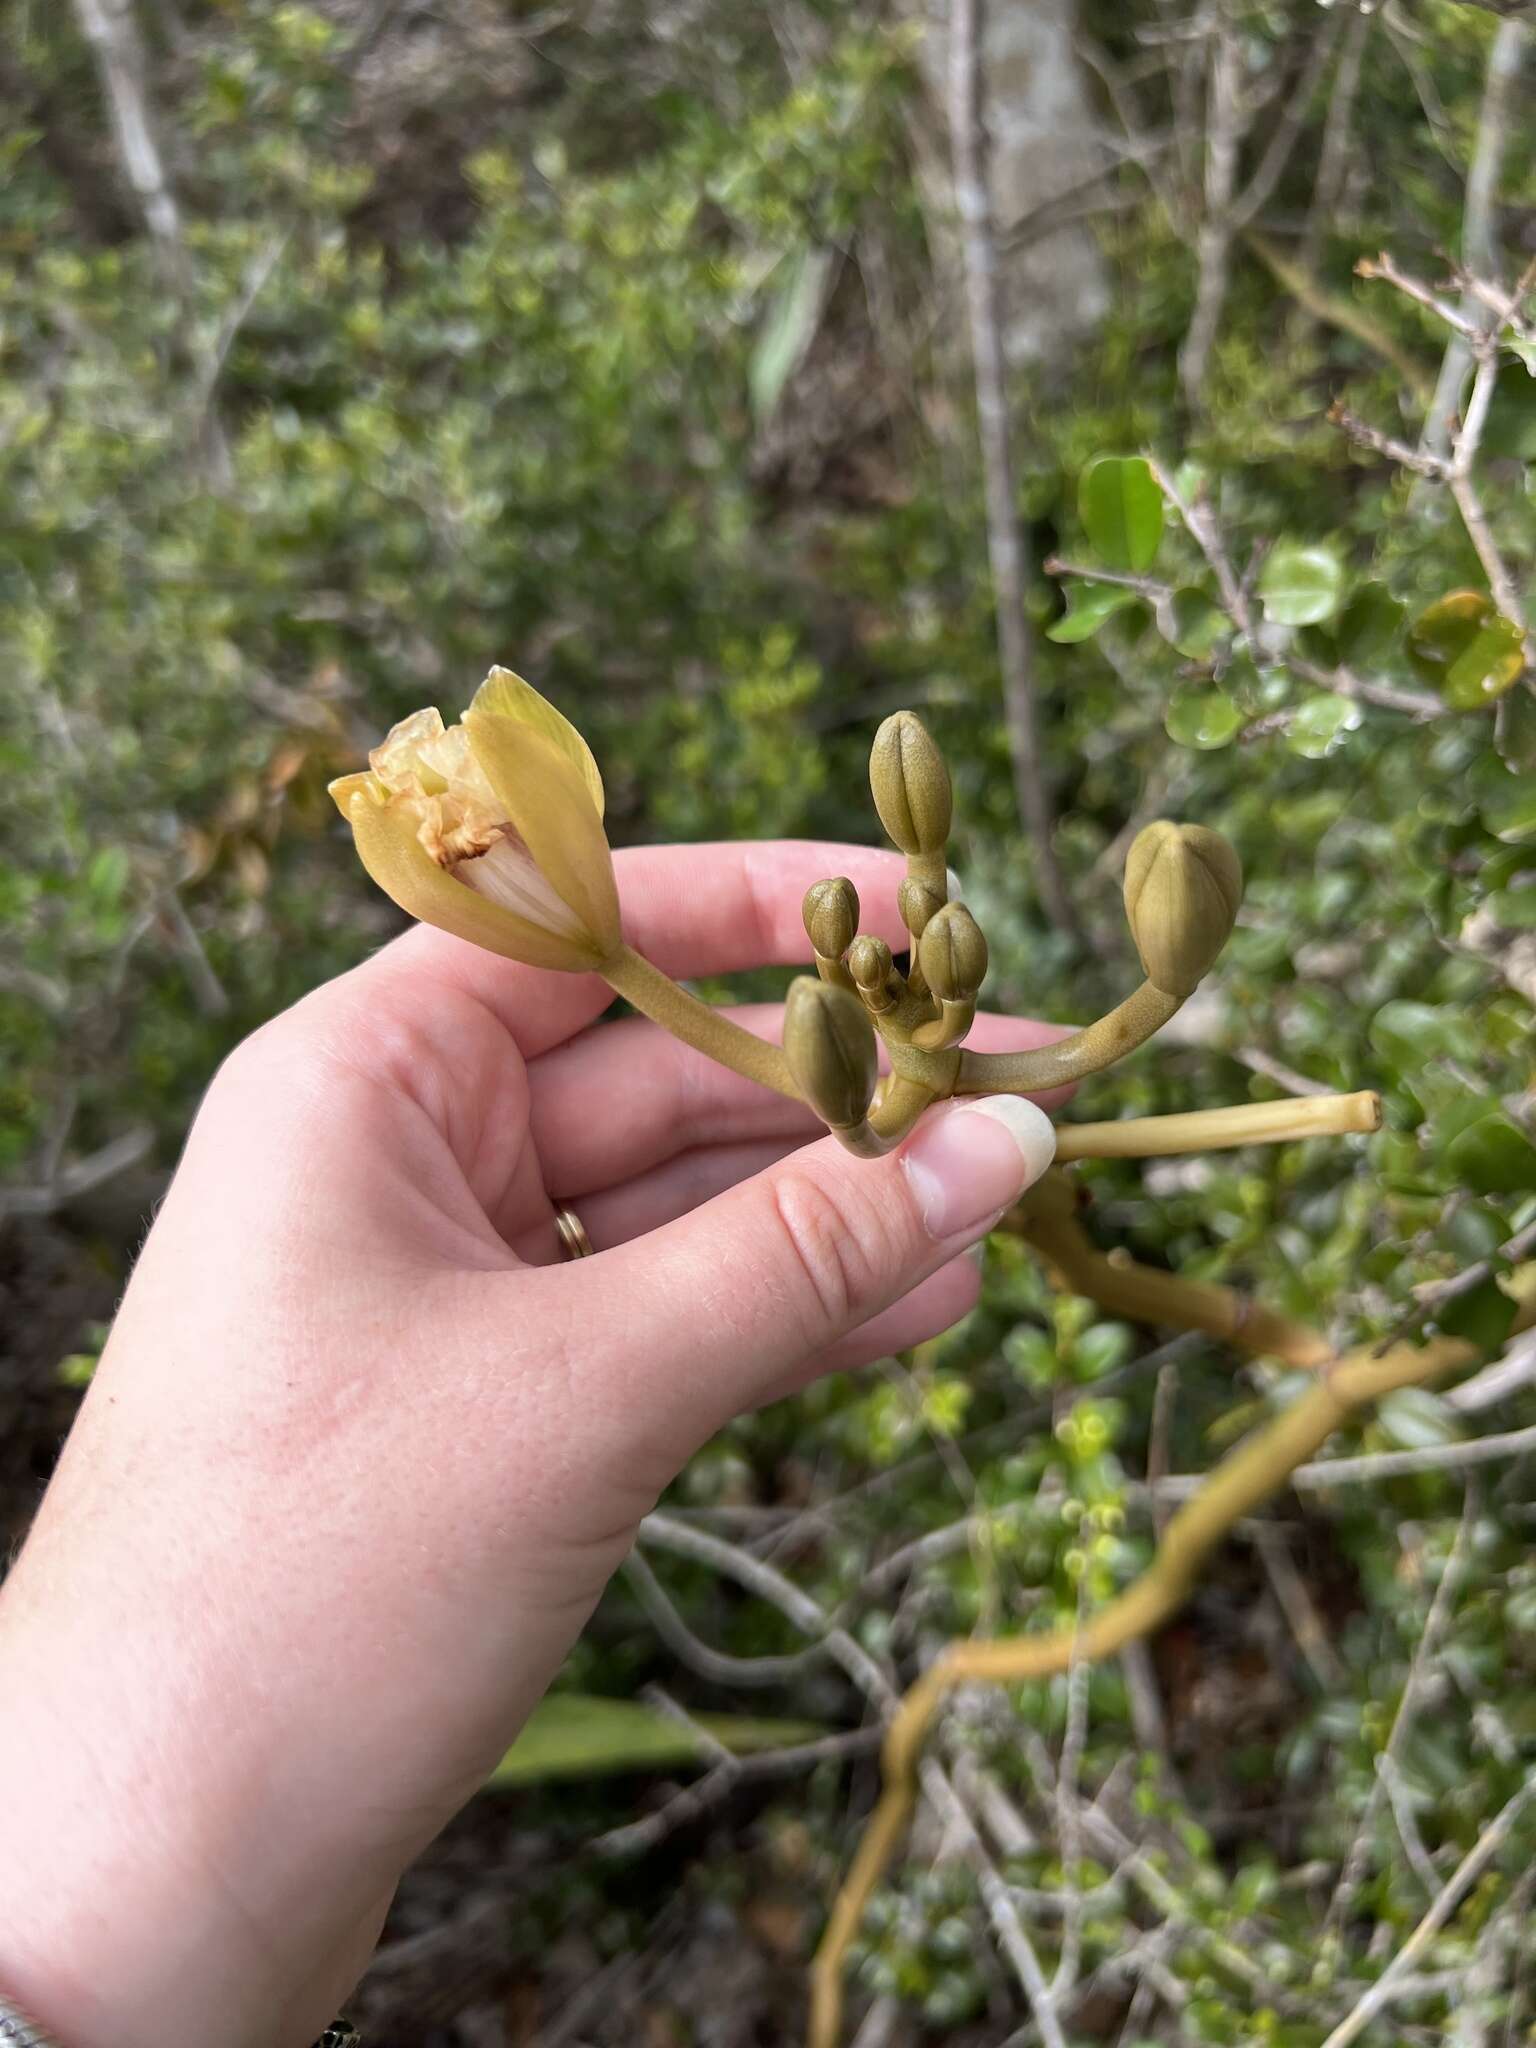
point(492, 829)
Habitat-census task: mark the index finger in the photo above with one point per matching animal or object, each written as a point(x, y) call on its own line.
point(716, 908)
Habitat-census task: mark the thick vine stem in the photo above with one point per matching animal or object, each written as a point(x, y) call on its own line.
point(1144, 1294)
point(658, 997)
point(1217, 1130)
point(1243, 1480)
point(1086, 1052)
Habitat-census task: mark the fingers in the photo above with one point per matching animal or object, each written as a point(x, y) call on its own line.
point(615, 1215)
point(658, 1098)
point(692, 910)
point(722, 1310)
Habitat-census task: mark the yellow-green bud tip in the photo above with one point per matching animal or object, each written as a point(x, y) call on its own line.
point(910, 784)
point(917, 902)
point(953, 954)
point(830, 1045)
point(831, 914)
point(1183, 885)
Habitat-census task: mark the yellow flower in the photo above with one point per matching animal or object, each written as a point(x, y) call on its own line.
point(492, 829)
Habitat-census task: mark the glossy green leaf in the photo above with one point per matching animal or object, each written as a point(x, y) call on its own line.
point(1122, 511)
point(1198, 627)
point(1321, 723)
point(1484, 1315)
point(1370, 627)
point(1301, 586)
point(1407, 1033)
point(1206, 719)
point(572, 1735)
point(1462, 647)
point(1514, 731)
point(1088, 606)
point(1509, 810)
point(1493, 1157)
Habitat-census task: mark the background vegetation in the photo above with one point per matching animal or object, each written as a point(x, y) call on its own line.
point(346, 349)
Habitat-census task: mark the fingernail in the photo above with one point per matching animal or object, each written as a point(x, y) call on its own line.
point(967, 1163)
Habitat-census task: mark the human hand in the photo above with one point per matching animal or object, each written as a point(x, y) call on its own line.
point(361, 1453)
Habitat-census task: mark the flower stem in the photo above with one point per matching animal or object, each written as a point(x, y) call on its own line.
point(1216, 1130)
point(658, 997)
point(1070, 1059)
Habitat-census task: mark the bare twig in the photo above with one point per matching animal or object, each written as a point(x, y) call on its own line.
point(1506, 54)
point(1364, 435)
point(1333, 157)
point(1440, 1609)
point(716, 1665)
point(691, 1802)
point(1006, 1924)
point(1005, 542)
point(1445, 1902)
point(70, 1182)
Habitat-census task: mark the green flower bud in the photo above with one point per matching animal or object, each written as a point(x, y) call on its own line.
point(830, 1045)
point(831, 913)
point(1183, 885)
point(911, 785)
point(917, 903)
point(870, 962)
point(953, 954)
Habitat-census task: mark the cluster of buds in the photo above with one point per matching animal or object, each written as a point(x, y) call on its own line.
point(1183, 885)
point(493, 830)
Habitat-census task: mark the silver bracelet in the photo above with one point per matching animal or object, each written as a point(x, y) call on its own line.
point(17, 2031)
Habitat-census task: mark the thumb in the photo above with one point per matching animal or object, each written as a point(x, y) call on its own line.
point(722, 1309)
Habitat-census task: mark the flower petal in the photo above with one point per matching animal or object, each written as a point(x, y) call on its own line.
point(549, 806)
point(389, 849)
point(510, 697)
point(345, 787)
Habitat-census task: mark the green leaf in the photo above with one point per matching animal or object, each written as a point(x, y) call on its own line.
point(1408, 1033)
point(1371, 627)
point(1088, 606)
point(1492, 1157)
point(1465, 649)
point(1122, 511)
point(573, 1735)
point(1510, 812)
point(1198, 626)
point(1510, 428)
point(1301, 586)
point(1203, 718)
point(789, 326)
point(1414, 1419)
point(1321, 723)
point(1515, 908)
point(1514, 731)
point(1484, 1315)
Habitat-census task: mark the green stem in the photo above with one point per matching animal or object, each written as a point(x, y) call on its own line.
point(1070, 1059)
point(658, 997)
point(897, 1106)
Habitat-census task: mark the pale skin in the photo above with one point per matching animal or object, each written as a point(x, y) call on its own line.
point(363, 1452)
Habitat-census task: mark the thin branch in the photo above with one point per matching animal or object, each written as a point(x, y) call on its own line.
point(1364, 435)
point(716, 1665)
point(70, 1182)
point(1333, 157)
point(1449, 1897)
point(1006, 1924)
point(691, 1802)
point(1440, 1610)
point(1385, 269)
point(1479, 250)
point(1005, 542)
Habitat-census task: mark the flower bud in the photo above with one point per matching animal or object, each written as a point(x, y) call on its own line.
point(917, 902)
point(953, 954)
point(830, 1045)
point(870, 963)
point(831, 913)
point(1183, 885)
point(911, 785)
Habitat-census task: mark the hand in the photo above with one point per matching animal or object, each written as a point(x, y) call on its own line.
point(362, 1452)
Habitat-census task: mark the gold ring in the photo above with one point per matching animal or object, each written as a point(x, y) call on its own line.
point(574, 1241)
